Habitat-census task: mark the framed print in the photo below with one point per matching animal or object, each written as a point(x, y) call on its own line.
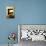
point(10, 11)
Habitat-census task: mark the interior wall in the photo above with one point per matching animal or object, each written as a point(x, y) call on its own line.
point(27, 12)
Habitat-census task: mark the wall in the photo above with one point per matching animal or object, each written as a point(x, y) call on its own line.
point(27, 12)
point(32, 11)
